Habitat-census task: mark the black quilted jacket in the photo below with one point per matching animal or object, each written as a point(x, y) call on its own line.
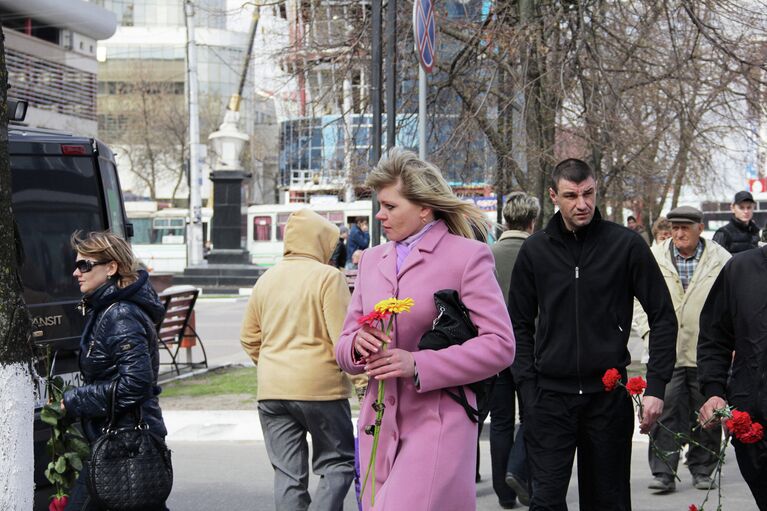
point(119, 343)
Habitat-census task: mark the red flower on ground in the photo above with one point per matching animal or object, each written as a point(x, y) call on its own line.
point(753, 435)
point(611, 379)
point(693, 507)
point(739, 424)
point(636, 385)
point(58, 503)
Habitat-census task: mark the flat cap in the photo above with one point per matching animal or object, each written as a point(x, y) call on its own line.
point(685, 215)
point(743, 196)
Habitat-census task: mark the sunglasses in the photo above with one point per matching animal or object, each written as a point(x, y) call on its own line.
point(84, 266)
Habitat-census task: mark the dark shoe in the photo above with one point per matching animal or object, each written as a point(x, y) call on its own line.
point(520, 488)
point(703, 482)
point(507, 505)
point(662, 484)
point(478, 478)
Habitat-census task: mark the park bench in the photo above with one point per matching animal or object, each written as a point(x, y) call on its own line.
point(176, 329)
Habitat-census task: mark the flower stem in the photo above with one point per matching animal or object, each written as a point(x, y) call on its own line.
point(379, 408)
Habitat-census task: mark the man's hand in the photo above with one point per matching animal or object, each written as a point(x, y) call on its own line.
point(706, 416)
point(652, 407)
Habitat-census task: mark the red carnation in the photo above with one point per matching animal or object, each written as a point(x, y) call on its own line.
point(753, 435)
point(611, 379)
point(739, 424)
point(636, 385)
point(58, 503)
point(693, 507)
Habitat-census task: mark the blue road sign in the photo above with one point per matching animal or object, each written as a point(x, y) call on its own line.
point(425, 32)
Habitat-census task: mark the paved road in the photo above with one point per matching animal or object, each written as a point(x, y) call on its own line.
point(212, 476)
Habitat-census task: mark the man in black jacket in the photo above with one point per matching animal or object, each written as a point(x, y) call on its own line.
point(741, 233)
point(733, 320)
point(579, 277)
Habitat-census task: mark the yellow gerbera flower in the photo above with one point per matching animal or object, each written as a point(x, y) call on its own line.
point(394, 306)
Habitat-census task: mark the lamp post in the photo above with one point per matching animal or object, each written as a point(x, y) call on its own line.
point(227, 176)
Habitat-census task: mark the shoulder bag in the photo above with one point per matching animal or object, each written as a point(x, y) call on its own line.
point(453, 326)
point(130, 467)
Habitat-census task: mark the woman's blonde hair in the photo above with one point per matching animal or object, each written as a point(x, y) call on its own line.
point(422, 183)
point(108, 246)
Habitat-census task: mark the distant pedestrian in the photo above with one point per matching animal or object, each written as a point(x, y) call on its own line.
point(293, 319)
point(571, 305)
point(426, 452)
point(359, 239)
point(631, 223)
point(507, 452)
point(118, 346)
point(661, 230)
point(740, 233)
point(338, 259)
point(689, 265)
point(733, 320)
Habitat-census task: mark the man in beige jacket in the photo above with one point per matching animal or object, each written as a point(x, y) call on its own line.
point(293, 319)
point(689, 265)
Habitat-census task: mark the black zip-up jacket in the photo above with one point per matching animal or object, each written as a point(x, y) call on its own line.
point(581, 286)
point(734, 318)
point(119, 342)
point(737, 237)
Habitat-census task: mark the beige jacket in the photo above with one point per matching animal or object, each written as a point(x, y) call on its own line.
point(295, 315)
point(687, 305)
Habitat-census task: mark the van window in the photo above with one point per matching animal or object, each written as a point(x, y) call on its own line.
point(113, 198)
point(262, 228)
point(282, 222)
point(53, 196)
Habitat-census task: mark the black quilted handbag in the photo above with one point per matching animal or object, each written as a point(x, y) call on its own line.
point(453, 326)
point(130, 467)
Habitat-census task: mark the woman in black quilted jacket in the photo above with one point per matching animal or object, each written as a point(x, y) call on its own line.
point(119, 343)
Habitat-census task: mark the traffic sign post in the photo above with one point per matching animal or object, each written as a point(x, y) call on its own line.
point(425, 31)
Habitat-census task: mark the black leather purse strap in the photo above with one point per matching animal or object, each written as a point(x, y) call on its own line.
point(136, 410)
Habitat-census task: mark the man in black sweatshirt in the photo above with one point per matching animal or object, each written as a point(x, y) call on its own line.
point(578, 277)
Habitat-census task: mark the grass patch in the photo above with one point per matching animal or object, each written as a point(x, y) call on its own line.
point(219, 381)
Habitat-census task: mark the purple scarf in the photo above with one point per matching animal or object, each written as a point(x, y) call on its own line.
point(405, 246)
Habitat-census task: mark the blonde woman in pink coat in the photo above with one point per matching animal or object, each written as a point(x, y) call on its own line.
point(427, 448)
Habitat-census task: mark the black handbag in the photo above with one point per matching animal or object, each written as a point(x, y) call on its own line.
point(453, 326)
point(130, 467)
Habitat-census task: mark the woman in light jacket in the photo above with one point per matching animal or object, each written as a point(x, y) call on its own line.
point(427, 448)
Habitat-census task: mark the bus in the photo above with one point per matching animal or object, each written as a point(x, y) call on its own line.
point(159, 235)
point(266, 224)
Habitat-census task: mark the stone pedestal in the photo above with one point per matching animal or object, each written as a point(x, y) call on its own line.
point(226, 224)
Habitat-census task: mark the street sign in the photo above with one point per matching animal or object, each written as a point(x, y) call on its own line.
point(425, 32)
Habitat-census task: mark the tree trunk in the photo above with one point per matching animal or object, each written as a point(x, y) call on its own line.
point(17, 395)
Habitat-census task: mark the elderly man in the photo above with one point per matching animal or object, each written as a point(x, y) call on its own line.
point(689, 266)
point(571, 304)
point(741, 233)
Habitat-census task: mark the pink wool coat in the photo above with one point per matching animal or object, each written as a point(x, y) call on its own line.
point(427, 449)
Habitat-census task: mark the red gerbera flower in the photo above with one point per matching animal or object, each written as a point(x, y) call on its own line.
point(372, 318)
point(636, 385)
point(611, 379)
point(693, 507)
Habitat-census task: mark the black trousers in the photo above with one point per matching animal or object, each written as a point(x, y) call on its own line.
point(598, 427)
point(752, 462)
point(683, 398)
point(502, 408)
